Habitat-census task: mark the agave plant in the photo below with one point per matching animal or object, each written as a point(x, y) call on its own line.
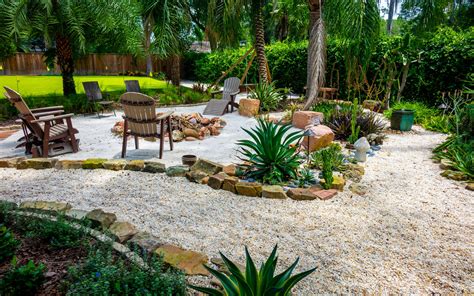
point(269, 96)
point(369, 123)
point(253, 282)
point(270, 154)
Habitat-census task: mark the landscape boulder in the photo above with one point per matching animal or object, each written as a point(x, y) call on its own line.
point(216, 181)
point(273, 191)
point(123, 231)
point(177, 171)
point(301, 119)
point(249, 189)
point(249, 107)
point(207, 166)
point(188, 261)
point(301, 194)
point(322, 136)
point(99, 218)
point(154, 167)
point(229, 184)
point(145, 241)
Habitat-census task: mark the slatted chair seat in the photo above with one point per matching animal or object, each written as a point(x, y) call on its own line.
point(94, 95)
point(229, 92)
point(140, 120)
point(46, 129)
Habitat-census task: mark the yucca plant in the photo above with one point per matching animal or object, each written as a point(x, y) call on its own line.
point(253, 282)
point(270, 154)
point(269, 96)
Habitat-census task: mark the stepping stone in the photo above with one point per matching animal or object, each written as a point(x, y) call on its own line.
point(188, 261)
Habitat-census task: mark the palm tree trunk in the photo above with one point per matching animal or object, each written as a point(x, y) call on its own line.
point(175, 70)
point(391, 11)
point(66, 64)
point(316, 62)
point(147, 28)
point(260, 45)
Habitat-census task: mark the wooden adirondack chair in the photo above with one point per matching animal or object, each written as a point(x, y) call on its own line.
point(132, 86)
point(141, 120)
point(230, 90)
point(45, 131)
point(94, 95)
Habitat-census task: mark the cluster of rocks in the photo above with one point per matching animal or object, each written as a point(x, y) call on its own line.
point(189, 127)
point(320, 135)
point(123, 233)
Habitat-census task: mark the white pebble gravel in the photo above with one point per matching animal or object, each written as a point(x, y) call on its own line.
point(412, 233)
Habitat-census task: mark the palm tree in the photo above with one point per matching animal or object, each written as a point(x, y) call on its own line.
point(163, 21)
point(65, 25)
point(224, 21)
point(355, 23)
point(392, 8)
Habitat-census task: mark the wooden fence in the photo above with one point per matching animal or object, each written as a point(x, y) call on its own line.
point(91, 64)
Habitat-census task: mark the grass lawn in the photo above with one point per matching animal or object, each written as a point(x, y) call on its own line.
point(32, 86)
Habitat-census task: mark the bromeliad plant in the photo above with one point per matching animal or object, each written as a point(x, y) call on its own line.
point(269, 96)
point(253, 282)
point(270, 153)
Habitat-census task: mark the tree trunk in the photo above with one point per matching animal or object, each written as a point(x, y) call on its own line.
point(282, 28)
point(391, 11)
point(66, 64)
point(406, 67)
point(260, 45)
point(316, 62)
point(175, 70)
point(147, 28)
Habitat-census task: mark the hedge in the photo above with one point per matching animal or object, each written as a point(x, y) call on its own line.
point(442, 63)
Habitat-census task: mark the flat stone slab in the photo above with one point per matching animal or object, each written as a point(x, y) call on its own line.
point(154, 167)
point(93, 163)
point(177, 171)
point(229, 184)
point(273, 191)
point(135, 165)
point(11, 162)
point(115, 164)
point(54, 206)
point(37, 163)
point(76, 214)
point(196, 176)
point(147, 242)
point(301, 194)
point(207, 166)
point(188, 261)
point(99, 218)
point(68, 164)
point(216, 181)
point(326, 194)
point(123, 231)
point(249, 189)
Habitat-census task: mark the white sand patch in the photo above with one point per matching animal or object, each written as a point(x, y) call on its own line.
point(411, 234)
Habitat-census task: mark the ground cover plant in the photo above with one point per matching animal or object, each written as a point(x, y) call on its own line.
point(255, 282)
point(270, 153)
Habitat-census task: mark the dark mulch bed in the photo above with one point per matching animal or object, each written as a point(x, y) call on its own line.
point(57, 261)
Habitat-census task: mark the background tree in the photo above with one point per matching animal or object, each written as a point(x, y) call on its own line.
point(65, 25)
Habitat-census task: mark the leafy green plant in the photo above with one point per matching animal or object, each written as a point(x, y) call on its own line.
point(22, 279)
point(103, 273)
point(459, 152)
point(355, 129)
point(8, 243)
point(255, 282)
point(270, 154)
point(335, 152)
point(328, 108)
point(58, 234)
point(341, 124)
point(269, 96)
point(305, 177)
point(328, 167)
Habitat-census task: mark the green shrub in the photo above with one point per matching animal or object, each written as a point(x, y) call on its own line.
point(305, 177)
point(334, 151)
point(58, 234)
point(270, 97)
point(269, 152)
point(327, 168)
point(8, 243)
point(102, 273)
point(328, 108)
point(341, 124)
point(22, 279)
point(459, 153)
point(255, 282)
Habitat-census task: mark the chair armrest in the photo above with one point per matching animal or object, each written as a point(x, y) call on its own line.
point(164, 115)
point(51, 118)
point(235, 93)
point(43, 114)
point(46, 109)
point(216, 92)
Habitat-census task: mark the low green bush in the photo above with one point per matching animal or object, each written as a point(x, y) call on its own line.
point(8, 243)
point(268, 95)
point(328, 108)
point(255, 282)
point(102, 273)
point(335, 154)
point(270, 154)
point(22, 279)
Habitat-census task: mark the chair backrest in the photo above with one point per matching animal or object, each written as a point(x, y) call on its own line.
point(25, 113)
point(132, 86)
point(231, 85)
point(140, 113)
point(92, 90)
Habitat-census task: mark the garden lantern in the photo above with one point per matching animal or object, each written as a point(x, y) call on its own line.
point(308, 133)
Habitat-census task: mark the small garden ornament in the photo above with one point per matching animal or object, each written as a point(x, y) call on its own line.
point(361, 146)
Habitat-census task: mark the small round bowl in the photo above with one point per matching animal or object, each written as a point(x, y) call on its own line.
point(189, 159)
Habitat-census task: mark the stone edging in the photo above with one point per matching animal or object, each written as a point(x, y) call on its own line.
point(122, 233)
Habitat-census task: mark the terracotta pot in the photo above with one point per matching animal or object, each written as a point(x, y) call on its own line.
point(189, 159)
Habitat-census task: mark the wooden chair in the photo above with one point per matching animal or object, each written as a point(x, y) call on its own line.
point(229, 92)
point(94, 95)
point(45, 131)
point(132, 86)
point(141, 120)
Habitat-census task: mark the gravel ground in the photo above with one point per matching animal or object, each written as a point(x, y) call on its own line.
point(411, 234)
